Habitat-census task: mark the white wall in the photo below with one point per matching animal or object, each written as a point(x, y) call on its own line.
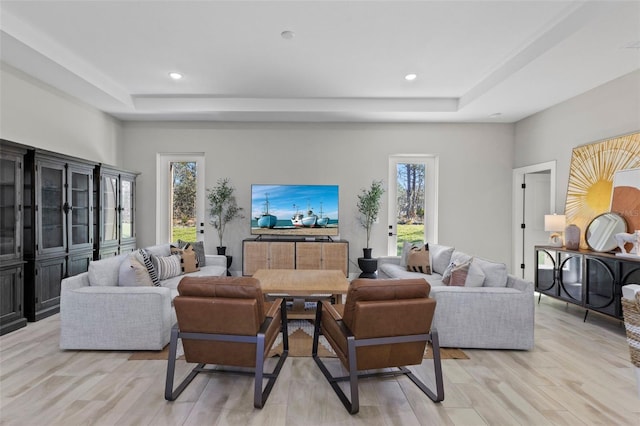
point(607, 111)
point(474, 187)
point(37, 115)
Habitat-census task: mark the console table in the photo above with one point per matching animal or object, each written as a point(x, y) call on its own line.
point(294, 254)
point(585, 278)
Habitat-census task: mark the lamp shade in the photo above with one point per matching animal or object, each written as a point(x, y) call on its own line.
point(554, 222)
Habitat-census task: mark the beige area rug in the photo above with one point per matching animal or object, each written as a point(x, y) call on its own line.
point(300, 343)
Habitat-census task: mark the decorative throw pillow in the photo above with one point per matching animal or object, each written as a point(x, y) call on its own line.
point(457, 258)
point(459, 274)
point(133, 273)
point(198, 247)
point(145, 258)
point(406, 249)
point(418, 260)
point(167, 266)
point(188, 258)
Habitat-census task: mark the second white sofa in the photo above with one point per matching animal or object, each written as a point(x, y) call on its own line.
point(496, 312)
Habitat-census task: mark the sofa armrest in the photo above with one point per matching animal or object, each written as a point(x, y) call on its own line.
point(394, 260)
point(520, 284)
point(216, 260)
point(112, 317)
point(75, 282)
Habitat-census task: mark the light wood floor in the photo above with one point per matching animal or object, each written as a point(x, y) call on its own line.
point(578, 373)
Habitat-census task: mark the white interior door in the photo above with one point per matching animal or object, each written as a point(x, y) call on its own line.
point(534, 196)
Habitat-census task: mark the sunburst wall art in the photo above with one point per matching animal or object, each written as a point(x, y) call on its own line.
point(591, 174)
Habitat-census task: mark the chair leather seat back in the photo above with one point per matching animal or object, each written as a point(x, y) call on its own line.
point(221, 305)
point(385, 308)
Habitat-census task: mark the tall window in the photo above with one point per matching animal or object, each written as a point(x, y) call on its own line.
point(412, 201)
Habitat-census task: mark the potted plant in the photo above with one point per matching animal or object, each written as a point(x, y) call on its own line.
point(369, 207)
point(223, 208)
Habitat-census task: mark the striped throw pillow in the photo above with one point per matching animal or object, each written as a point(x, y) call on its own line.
point(167, 266)
point(145, 258)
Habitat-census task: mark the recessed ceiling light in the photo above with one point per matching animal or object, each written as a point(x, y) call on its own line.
point(175, 75)
point(495, 115)
point(287, 35)
point(410, 77)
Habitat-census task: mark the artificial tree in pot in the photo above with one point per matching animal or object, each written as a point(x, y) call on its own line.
point(223, 208)
point(369, 208)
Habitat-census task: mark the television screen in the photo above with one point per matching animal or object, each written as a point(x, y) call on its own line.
point(304, 210)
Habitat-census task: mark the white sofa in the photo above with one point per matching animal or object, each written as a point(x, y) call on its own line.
point(498, 313)
point(113, 317)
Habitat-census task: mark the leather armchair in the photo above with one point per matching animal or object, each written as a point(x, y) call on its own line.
point(225, 321)
point(383, 324)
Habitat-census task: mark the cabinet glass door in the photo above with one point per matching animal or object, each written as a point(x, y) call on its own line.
point(546, 272)
point(127, 190)
point(570, 276)
point(9, 209)
point(109, 207)
point(601, 274)
point(79, 209)
point(50, 205)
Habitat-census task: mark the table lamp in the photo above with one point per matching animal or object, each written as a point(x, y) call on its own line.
point(555, 224)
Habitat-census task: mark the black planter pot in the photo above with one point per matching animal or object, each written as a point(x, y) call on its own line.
point(367, 253)
point(221, 250)
point(368, 267)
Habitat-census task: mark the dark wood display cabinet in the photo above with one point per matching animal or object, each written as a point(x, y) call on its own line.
point(58, 227)
point(114, 211)
point(11, 218)
point(586, 278)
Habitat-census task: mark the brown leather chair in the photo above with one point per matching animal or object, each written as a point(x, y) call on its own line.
point(383, 324)
point(225, 321)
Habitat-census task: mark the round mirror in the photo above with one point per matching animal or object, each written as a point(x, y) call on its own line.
point(600, 232)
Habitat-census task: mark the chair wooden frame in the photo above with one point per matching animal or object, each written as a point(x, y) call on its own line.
point(353, 405)
point(259, 395)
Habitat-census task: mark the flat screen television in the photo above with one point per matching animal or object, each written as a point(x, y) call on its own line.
point(294, 210)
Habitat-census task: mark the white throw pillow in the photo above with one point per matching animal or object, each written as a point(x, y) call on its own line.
point(440, 257)
point(104, 272)
point(496, 273)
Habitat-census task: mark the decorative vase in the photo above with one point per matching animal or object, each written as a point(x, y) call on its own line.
point(572, 237)
point(221, 250)
point(367, 253)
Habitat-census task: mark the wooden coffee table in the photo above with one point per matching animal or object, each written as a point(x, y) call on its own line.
point(301, 285)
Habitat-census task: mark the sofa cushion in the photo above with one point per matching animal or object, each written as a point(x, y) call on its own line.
point(495, 273)
point(468, 274)
point(145, 258)
point(475, 276)
point(418, 259)
point(458, 258)
point(167, 266)
point(132, 273)
point(440, 257)
point(104, 272)
point(198, 247)
point(188, 258)
point(458, 274)
point(159, 250)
